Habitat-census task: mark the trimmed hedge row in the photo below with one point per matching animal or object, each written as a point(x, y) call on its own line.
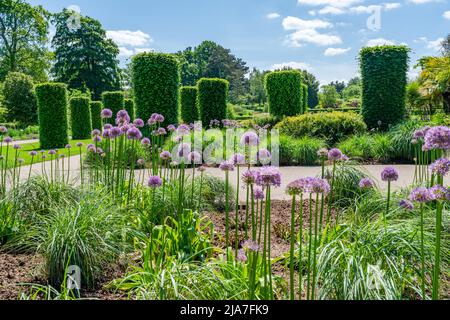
point(284, 92)
point(113, 100)
point(156, 78)
point(304, 97)
point(80, 117)
point(212, 99)
point(188, 102)
point(52, 114)
point(96, 109)
point(384, 79)
point(129, 106)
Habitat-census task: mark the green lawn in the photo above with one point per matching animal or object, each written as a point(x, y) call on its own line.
point(24, 151)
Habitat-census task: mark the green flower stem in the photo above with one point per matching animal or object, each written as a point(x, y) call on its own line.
point(236, 227)
point(422, 254)
point(300, 247)
point(308, 279)
point(291, 252)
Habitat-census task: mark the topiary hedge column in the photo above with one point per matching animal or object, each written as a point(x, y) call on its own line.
point(80, 117)
point(384, 79)
point(96, 109)
point(212, 99)
point(129, 106)
point(188, 102)
point(52, 114)
point(156, 79)
point(113, 100)
point(304, 98)
point(284, 92)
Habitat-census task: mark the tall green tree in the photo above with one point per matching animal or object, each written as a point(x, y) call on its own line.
point(20, 98)
point(339, 85)
point(23, 39)
point(84, 57)
point(313, 88)
point(256, 85)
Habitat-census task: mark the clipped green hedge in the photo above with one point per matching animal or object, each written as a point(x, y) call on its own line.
point(129, 106)
point(304, 97)
point(156, 79)
point(331, 126)
point(113, 100)
point(212, 99)
point(284, 92)
point(96, 109)
point(384, 78)
point(188, 102)
point(52, 114)
point(80, 117)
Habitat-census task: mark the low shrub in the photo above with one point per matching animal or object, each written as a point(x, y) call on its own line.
point(332, 126)
point(299, 151)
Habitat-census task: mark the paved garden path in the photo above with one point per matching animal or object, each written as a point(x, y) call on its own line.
point(406, 173)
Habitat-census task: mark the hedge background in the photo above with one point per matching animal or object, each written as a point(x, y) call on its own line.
point(304, 97)
point(113, 100)
point(384, 79)
point(52, 114)
point(284, 92)
point(189, 106)
point(20, 98)
point(80, 117)
point(212, 99)
point(129, 106)
point(96, 109)
point(156, 79)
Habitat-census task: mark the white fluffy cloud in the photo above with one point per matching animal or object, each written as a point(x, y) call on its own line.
point(129, 38)
point(361, 9)
point(379, 42)
point(273, 15)
point(305, 31)
point(125, 52)
point(434, 45)
point(292, 64)
point(421, 1)
point(446, 15)
point(333, 3)
point(331, 10)
point(392, 6)
point(331, 52)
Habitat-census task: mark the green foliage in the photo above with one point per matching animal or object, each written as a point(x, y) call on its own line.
point(156, 79)
point(87, 58)
point(351, 92)
point(299, 151)
point(332, 126)
point(284, 92)
point(52, 110)
point(313, 89)
point(383, 71)
point(115, 101)
point(401, 136)
point(189, 106)
point(20, 99)
point(265, 121)
point(212, 99)
point(96, 109)
point(129, 106)
point(365, 146)
point(80, 115)
point(304, 97)
point(329, 97)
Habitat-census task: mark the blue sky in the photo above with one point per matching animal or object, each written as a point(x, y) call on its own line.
point(323, 36)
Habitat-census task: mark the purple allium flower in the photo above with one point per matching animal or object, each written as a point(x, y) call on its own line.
point(107, 134)
point(171, 128)
point(106, 114)
point(165, 155)
point(44, 156)
point(214, 123)
point(3, 129)
point(107, 126)
point(145, 142)
point(440, 167)
point(438, 138)
point(124, 128)
point(420, 194)
point(16, 146)
point(157, 117)
point(122, 117)
point(183, 149)
point(134, 134)
point(139, 123)
point(334, 154)
point(320, 186)
point(96, 132)
point(249, 177)
point(62, 156)
point(160, 132)
point(8, 140)
point(99, 150)
point(250, 138)
point(33, 153)
point(389, 174)
point(418, 134)
point(79, 144)
point(268, 176)
point(366, 183)
point(226, 166)
point(438, 192)
point(264, 156)
point(250, 245)
point(151, 121)
point(406, 204)
point(20, 160)
point(296, 187)
point(322, 153)
point(52, 152)
point(155, 182)
point(97, 139)
point(258, 194)
point(241, 256)
point(194, 157)
point(238, 159)
point(68, 146)
point(140, 162)
point(115, 132)
point(183, 130)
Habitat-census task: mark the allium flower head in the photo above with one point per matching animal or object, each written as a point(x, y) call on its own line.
point(96, 132)
point(8, 140)
point(145, 142)
point(3, 129)
point(171, 128)
point(258, 194)
point(183, 130)
point(438, 138)
point(322, 153)
point(241, 256)
point(250, 245)
point(440, 167)
point(406, 204)
point(420, 195)
point(334, 154)
point(122, 117)
point(226, 166)
point(320, 186)
point(438, 192)
point(296, 187)
point(238, 159)
point(107, 126)
point(138, 122)
point(16, 146)
point(134, 134)
point(20, 160)
point(68, 146)
point(249, 177)
point(97, 139)
point(250, 138)
point(389, 174)
point(115, 132)
point(157, 117)
point(106, 134)
point(165, 155)
point(264, 156)
point(106, 114)
point(79, 144)
point(33, 153)
point(155, 182)
point(140, 162)
point(160, 132)
point(268, 176)
point(366, 183)
point(52, 152)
